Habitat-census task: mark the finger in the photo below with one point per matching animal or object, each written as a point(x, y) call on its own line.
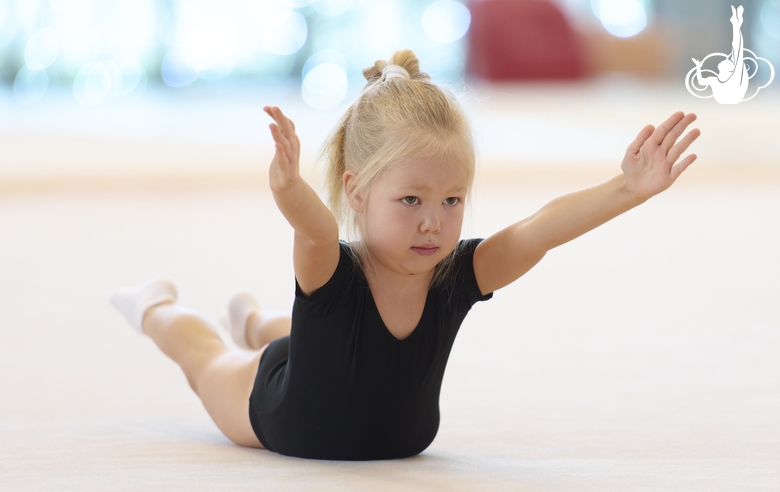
point(683, 145)
point(281, 153)
point(640, 139)
point(286, 126)
point(279, 138)
point(682, 166)
point(678, 130)
point(274, 113)
point(663, 128)
point(281, 156)
point(276, 133)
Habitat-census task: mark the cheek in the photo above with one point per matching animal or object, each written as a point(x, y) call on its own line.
point(383, 222)
point(455, 216)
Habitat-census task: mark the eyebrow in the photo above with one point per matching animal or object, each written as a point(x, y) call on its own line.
point(428, 188)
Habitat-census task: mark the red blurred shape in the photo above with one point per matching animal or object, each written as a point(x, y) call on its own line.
point(522, 39)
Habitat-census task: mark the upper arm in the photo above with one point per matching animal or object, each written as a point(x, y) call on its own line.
point(314, 263)
point(504, 257)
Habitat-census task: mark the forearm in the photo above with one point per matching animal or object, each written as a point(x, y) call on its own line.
point(572, 215)
point(306, 213)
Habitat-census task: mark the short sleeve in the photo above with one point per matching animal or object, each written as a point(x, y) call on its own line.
point(323, 300)
point(465, 281)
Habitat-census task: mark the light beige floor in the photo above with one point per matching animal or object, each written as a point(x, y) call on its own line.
point(641, 356)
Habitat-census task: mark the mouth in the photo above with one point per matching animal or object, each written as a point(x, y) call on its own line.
point(425, 249)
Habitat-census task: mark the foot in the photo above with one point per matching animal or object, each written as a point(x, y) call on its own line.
point(133, 302)
point(243, 312)
point(249, 326)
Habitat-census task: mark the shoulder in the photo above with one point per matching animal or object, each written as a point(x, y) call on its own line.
point(463, 255)
point(349, 261)
point(347, 269)
point(467, 246)
point(462, 279)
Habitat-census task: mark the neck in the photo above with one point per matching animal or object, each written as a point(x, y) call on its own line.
point(380, 275)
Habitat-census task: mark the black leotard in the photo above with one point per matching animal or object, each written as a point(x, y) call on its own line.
point(342, 387)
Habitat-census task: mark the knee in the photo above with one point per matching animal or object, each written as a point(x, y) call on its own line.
point(182, 318)
point(177, 321)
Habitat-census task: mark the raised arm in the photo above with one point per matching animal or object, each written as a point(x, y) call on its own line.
point(648, 169)
point(316, 243)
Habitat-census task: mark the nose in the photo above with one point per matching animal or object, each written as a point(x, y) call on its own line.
point(431, 221)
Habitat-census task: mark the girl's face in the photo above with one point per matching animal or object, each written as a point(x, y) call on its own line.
point(413, 215)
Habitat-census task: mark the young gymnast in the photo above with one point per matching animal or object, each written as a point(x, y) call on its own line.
point(355, 373)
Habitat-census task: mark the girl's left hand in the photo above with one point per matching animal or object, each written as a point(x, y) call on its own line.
point(649, 162)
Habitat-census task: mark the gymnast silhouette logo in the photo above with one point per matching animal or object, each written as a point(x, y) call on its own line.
point(734, 72)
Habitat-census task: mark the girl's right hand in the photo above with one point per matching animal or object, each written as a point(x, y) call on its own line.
point(284, 171)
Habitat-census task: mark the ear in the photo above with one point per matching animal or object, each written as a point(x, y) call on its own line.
point(350, 184)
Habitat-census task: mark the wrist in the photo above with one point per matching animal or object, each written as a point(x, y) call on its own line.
point(285, 184)
point(628, 194)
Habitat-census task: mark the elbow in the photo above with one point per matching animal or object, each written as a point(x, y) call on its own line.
point(322, 236)
point(329, 233)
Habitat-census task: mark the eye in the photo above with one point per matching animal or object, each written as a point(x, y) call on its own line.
point(453, 200)
point(410, 200)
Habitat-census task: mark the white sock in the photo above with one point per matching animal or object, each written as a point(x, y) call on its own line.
point(240, 307)
point(133, 302)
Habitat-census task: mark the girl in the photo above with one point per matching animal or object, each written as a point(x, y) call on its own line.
point(356, 373)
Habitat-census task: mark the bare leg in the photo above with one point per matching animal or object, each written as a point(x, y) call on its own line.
point(221, 377)
point(251, 327)
point(263, 328)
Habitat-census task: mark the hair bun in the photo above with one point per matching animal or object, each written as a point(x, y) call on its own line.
point(405, 59)
point(374, 72)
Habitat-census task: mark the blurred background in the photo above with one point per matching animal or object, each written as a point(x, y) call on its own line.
point(198, 73)
point(101, 52)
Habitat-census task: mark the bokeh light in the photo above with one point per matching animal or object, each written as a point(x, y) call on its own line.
point(175, 71)
point(206, 39)
point(446, 21)
point(770, 18)
point(324, 56)
point(117, 48)
point(126, 73)
point(92, 83)
point(42, 48)
point(285, 33)
point(325, 86)
point(26, 13)
point(622, 18)
point(7, 25)
point(30, 85)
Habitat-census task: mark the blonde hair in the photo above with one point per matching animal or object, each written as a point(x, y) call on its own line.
point(392, 119)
